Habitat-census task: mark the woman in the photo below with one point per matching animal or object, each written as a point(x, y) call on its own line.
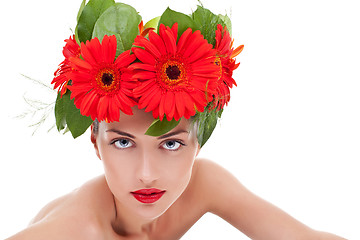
point(152, 179)
point(153, 188)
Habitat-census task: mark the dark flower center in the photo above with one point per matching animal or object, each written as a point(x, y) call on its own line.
point(107, 79)
point(173, 72)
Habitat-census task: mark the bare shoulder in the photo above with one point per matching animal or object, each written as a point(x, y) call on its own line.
point(75, 215)
point(210, 178)
point(205, 168)
point(226, 197)
point(206, 173)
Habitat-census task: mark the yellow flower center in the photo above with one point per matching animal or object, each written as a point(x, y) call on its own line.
point(218, 63)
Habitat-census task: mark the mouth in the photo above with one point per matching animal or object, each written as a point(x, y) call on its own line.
point(149, 195)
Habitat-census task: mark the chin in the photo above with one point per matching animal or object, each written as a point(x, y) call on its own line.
point(150, 211)
point(153, 210)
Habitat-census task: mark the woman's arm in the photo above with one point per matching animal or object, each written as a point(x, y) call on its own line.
point(226, 197)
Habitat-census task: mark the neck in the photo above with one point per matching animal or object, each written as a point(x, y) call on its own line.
point(127, 223)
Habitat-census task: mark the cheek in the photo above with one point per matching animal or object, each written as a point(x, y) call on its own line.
point(184, 161)
point(179, 173)
point(117, 171)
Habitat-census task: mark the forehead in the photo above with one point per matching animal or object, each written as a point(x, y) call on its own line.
point(138, 123)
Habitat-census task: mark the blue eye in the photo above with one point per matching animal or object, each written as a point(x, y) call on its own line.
point(172, 145)
point(122, 143)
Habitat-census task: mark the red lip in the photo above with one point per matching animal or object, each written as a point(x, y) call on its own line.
point(149, 195)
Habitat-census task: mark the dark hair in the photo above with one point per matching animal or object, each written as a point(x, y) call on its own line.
point(95, 127)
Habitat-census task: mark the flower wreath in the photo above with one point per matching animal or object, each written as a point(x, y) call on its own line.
point(175, 66)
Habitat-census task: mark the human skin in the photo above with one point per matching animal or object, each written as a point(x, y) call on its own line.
point(104, 207)
point(135, 161)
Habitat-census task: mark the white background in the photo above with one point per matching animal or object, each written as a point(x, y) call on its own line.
point(290, 133)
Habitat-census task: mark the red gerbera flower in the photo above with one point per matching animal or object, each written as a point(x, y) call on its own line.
point(61, 78)
point(177, 78)
point(101, 86)
point(225, 55)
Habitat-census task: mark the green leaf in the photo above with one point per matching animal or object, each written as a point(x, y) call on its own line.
point(169, 17)
point(120, 20)
point(60, 113)
point(88, 17)
point(158, 128)
point(76, 122)
point(69, 117)
point(80, 10)
point(227, 22)
point(83, 4)
point(207, 122)
point(153, 23)
point(207, 23)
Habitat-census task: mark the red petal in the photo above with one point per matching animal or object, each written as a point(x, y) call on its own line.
point(218, 35)
point(110, 48)
point(189, 104)
point(199, 99)
point(96, 50)
point(180, 107)
point(193, 43)
point(86, 53)
point(174, 29)
point(88, 104)
point(237, 51)
point(145, 75)
point(161, 108)
point(155, 101)
point(202, 51)
point(78, 63)
point(143, 87)
point(102, 108)
point(125, 104)
point(172, 109)
point(114, 109)
point(158, 42)
point(124, 59)
point(149, 46)
point(155, 113)
point(170, 42)
point(144, 56)
point(125, 100)
point(169, 104)
point(149, 92)
point(183, 39)
point(142, 66)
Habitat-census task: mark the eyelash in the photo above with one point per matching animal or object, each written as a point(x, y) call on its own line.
point(114, 141)
point(173, 140)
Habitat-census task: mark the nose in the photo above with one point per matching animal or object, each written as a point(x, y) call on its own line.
point(147, 172)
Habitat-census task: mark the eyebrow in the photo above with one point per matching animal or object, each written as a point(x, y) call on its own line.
point(121, 133)
point(172, 134)
point(161, 137)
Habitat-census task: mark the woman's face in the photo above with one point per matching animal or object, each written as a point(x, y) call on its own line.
point(146, 174)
